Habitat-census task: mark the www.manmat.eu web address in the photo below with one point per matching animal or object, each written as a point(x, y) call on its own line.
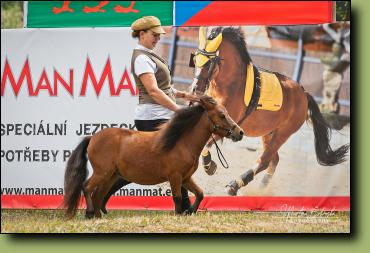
point(60, 191)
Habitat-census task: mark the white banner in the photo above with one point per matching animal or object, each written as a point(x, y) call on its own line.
point(58, 85)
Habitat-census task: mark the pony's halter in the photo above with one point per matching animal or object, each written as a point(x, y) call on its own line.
point(216, 127)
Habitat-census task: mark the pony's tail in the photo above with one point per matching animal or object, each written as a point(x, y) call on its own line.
point(322, 131)
point(75, 175)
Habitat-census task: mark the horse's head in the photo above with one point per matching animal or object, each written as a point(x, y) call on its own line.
point(221, 122)
point(224, 54)
point(206, 60)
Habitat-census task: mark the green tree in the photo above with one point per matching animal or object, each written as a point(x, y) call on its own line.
point(11, 14)
point(343, 10)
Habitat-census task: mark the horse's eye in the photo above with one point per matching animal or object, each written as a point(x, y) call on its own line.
point(222, 116)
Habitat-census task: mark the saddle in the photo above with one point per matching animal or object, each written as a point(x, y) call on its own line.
point(262, 90)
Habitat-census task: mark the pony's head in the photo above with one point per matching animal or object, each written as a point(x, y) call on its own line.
point(184, 120)
point(211, 55)
point(221, 122)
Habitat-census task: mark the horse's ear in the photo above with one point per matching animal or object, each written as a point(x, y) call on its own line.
point(213, 45)
point(202, 38)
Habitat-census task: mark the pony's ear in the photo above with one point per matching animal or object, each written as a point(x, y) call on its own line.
point(192, 98)
point(207, 102)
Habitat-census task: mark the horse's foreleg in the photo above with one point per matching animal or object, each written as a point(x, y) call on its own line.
point(209, 165)
point(176, 182)
point(198, 192)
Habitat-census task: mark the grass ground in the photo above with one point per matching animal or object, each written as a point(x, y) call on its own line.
point(53, 221)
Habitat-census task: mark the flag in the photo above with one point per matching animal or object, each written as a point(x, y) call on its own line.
point(95, 13)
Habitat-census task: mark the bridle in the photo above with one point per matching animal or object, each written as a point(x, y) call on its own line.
point(213, 59)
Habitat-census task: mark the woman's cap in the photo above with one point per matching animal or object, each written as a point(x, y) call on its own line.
point(148, 23)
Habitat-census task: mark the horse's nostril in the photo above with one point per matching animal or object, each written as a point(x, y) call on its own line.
point(241, 133)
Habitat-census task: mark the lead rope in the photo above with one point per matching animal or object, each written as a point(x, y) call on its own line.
point(220, 155)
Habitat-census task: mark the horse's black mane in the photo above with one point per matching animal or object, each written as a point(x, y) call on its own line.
point(235, 36)
point(183, 121)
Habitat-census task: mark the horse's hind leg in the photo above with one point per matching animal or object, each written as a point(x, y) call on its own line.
point(198, 192)
point(273, 163)
point(270, 151)
point(270, 171)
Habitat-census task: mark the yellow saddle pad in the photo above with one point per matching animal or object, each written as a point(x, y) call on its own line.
point(271, 94)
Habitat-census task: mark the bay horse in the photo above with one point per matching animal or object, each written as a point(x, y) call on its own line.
point(147, 158)
point(222, 74)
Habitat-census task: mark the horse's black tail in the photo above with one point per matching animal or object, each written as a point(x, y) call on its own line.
point(75, 175)
point(322, 131)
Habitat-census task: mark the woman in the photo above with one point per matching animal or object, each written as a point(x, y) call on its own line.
point(156, 95)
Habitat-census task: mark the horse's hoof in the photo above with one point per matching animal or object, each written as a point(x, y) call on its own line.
point(232, 188)
point(265, 181)
point(210, 168)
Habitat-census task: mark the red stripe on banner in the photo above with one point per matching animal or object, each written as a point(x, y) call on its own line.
point(256, 203)
point(263, 13)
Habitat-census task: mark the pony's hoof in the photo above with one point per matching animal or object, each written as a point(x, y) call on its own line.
point(210, 168)
point(104, 210)
point(189, 211)
point(232, 188)
point(89, 215)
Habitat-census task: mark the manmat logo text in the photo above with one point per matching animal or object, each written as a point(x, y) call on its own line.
point(51, 85)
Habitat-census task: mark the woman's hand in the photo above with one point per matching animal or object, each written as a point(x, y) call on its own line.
point(151, 86)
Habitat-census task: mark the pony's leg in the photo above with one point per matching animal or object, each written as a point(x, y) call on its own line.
point(120, 182)
point(89, 188)
point(198, 192)
point(278, 138)
point(89, 206)
point(185, 199)
point(176, 182)
point(104, 186)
